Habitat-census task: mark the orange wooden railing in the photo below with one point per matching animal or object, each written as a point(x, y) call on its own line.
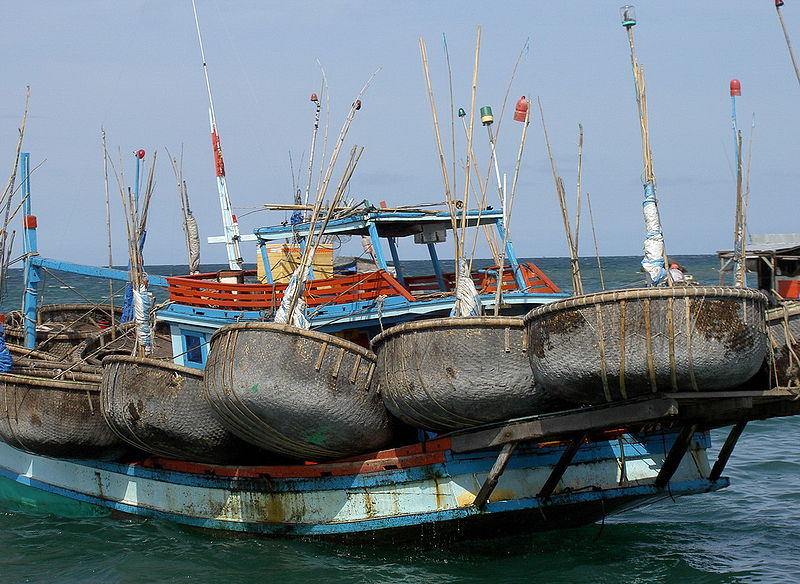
point(203, 290)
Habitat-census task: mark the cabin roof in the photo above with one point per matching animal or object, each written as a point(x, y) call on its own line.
point(388, 223)
point(769, 244)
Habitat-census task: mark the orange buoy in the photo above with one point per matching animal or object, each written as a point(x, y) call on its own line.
point(521, 110)
point(736, 87)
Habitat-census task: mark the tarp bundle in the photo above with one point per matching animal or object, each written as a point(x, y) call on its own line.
point(192, 242)
point(653, 261)
point(298, 316)
point(5, 355)
point(468, 302)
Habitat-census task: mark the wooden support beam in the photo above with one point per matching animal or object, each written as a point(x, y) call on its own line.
point(726, 450)
point(676, 454)
point(498, 468)
point(561, 467)
point(567, 424)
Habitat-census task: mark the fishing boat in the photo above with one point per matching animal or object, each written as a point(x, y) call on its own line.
point(452, 373)
point(773, 259)
point(160, 408)
point(296, 392)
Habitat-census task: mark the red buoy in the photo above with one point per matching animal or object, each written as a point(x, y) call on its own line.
point(140, 153)
point(521, 110)
point(736, 88)
point(314, 97)
point(778, 3)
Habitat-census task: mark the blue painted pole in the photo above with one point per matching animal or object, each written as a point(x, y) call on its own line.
point(136, 180)
point(510, 256)
point(396, 260)
point(376, 245)
point(267, 267)
point(30, 305)
point(437, 268)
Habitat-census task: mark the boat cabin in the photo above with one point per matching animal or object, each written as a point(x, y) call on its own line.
point(774, 258)
point(350, 303)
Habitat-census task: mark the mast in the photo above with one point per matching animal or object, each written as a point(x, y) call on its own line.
point(231, 226)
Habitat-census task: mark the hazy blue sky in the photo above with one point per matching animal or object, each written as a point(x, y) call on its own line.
point(134, 68)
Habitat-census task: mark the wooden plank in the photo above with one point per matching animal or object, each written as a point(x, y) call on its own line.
point(676, 454)
point(561, 467)
point(494, 475)
point(726, 450)
point(553, 426)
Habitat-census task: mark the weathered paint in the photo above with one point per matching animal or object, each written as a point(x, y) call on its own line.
point(376, 502)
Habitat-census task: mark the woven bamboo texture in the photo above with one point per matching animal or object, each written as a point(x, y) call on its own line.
point(161, 408)
point(452, 373)
point(300, 393)
point(54, 417)
point(783, 332)
point(621, 344)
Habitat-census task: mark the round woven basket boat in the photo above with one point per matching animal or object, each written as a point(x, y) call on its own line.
point(452, 373)
point(296, 392)
point(61, 328)
point(161, 408)
point(46, 414)
point(620, 344)
point(783, 332)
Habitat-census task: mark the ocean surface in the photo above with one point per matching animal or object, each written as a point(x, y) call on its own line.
point(749, 532)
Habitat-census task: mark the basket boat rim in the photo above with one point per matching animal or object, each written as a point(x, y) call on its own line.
point(447, 322)
point(293, 330)
point(609, 296)
point(155, 363)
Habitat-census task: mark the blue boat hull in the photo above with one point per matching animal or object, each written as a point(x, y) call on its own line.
point(424, 491)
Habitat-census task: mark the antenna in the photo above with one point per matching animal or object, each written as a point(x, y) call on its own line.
point(231, 226)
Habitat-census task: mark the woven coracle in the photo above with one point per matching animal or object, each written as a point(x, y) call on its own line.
point(161, 408)
point(50, 412)
point(452, 373)
point(783, 332)
point(620, 344)
point(296, 392)
point(61, 328)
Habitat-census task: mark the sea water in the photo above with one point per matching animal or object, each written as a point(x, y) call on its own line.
point(749, 532)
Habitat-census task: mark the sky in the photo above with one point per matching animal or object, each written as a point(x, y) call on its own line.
point(133, 68)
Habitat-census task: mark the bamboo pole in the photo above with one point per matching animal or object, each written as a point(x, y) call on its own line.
point(578, 197)
point(108, 232)
point(788, 40)
point(740, 265)
point(575, 270)
point(594, 238)
point(451, 203)
point(469, 144)
point(644, 129)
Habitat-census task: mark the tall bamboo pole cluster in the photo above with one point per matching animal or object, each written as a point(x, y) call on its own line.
point(458, 204)
point(321, 214)
point(8, 207)
point(135, 228)
point(190, 229)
